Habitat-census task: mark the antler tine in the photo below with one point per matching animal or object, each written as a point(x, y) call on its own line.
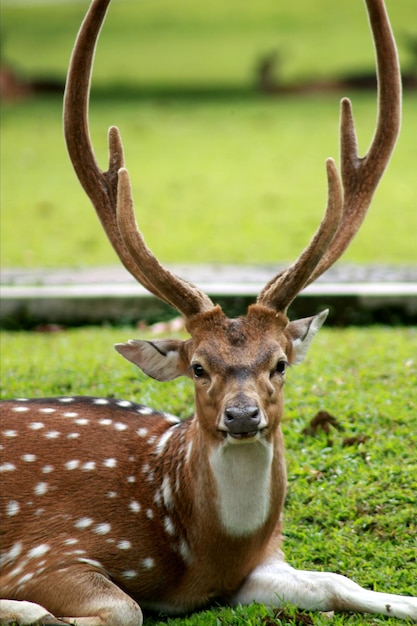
point(360, 176)
point(283, 288)
point(103, 187)
point(185, 296)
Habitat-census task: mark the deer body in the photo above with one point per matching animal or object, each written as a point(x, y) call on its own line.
point(145, 529)
point(110, 506)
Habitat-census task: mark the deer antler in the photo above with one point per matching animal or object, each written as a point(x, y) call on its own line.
point(349, 200)
point(349, 196)
point(110, 191)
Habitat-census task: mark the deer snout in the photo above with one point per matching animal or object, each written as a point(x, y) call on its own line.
point(242, 421)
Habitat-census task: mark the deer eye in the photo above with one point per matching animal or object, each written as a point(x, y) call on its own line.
point(198, 370)
point(280, 367)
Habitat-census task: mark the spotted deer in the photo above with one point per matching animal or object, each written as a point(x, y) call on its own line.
point(111, 507)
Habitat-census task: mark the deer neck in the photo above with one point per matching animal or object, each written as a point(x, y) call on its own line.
point(242, 475)
point(243, 484)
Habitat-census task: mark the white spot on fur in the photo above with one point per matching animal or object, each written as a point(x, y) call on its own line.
point(167, 493)
point(36, 425)
point(90, 465)
point(12, 508)
point(66, 399)
point(131, 479)
point(110, 463)
point(20, 409)
point(91, 562)
point(10, 433)
point(47, 409)
point(129, 573)
point(120, 426)
point(52, 434)
point(7, 467)
point(71, 465)
point(105, 422)
point(73, 435)
point(101, 401)
point(163, 440)
point(134, 506)
point(38, 551)
point(189, 451)
point(102, 529)
point(71, 414)
point(25, 578)
point(169, 526)
point(47, 469)
point(81, 422)
point(148, 563)
point(124, 545)
point(149, 514)
point(142, 432)
point(12, 554)
point(40, 489)
point(29, 458)
point(171, 418)
point(112, 494)
point(124, 403)
point(145, 410)
point(70, 542)
point(83, 522)
point(184, 551)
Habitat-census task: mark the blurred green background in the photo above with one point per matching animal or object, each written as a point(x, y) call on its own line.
point(221, 170)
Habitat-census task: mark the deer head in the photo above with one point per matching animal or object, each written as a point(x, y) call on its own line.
point(238, 365)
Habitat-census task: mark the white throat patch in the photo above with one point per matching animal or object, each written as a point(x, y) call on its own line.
point(242, 475)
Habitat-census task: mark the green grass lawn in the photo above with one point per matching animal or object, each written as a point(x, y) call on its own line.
point(350, 508)
point(228, 178)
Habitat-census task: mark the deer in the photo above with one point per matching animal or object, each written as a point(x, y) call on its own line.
point(112, 508)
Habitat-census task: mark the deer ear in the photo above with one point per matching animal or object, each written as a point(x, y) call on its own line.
point(162, 359)
point(302, 332)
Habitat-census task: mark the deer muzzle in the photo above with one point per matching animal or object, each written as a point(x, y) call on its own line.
point(242, 422)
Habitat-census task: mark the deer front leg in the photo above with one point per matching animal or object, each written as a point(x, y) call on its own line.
point(75, 595)
point(274, 583)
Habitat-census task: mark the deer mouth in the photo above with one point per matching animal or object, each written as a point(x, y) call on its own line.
point(245, 437)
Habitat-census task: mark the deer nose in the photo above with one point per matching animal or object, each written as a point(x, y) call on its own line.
point(242, 420)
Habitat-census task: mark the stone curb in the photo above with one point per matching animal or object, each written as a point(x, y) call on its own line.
point(354, 294)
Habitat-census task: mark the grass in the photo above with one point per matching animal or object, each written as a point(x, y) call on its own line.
point(231, 177)
point(226, 182)
point(350, 508)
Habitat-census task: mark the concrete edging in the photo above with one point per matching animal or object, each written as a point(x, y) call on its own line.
point(97, 295)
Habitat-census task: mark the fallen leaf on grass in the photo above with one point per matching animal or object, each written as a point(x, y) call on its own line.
point(353, 441)
point(322, 421)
